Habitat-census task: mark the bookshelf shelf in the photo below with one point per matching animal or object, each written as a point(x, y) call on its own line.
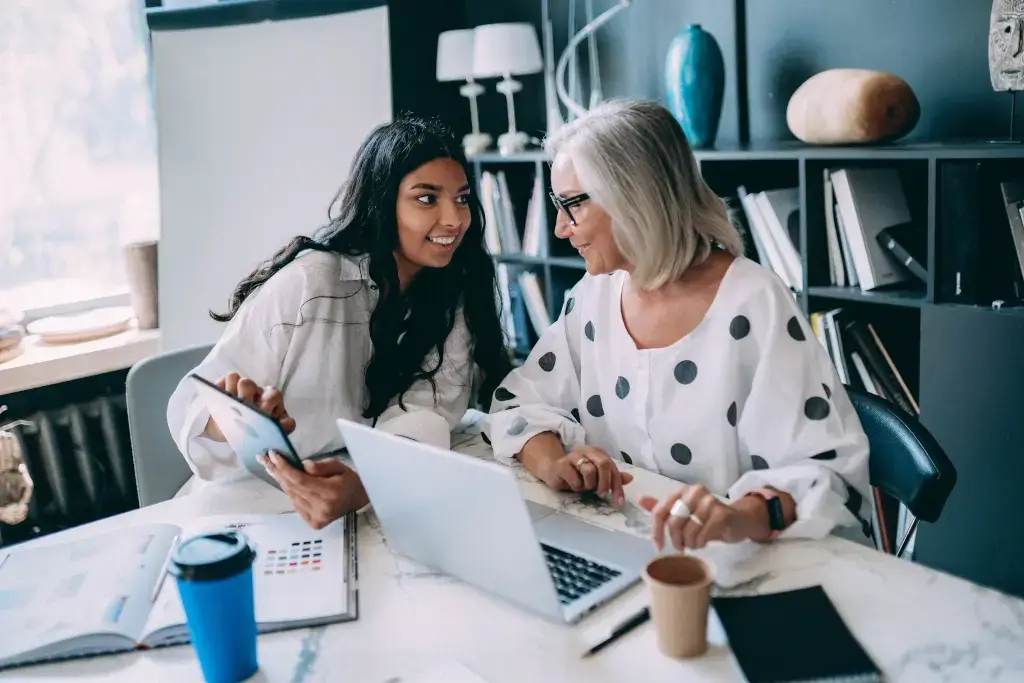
point(530, 156)
point(893, 297)
point(522, 259)
point(555, 261)
point(793, 150)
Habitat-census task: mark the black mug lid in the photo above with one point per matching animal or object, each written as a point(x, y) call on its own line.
point(212, 556)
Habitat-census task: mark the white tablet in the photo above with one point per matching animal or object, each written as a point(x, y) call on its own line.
point(248, 430)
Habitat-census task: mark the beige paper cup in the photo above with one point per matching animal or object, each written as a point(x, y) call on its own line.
point(680, 591)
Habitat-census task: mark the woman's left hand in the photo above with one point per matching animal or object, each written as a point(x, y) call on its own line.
point(325, 491)
point(709, 520)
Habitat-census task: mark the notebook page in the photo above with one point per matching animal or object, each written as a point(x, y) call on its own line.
point(298, 574)
point(55, 595)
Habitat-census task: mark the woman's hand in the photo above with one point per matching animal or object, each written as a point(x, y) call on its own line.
point(268, 399)
point(709, 519)
point(325, 491)
point(586, 469)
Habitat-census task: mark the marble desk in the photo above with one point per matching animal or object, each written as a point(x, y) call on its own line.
point(918, 624)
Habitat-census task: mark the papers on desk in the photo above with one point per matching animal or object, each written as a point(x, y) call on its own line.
point(110, 593)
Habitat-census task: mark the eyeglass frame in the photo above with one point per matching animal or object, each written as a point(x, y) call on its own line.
point(566, 203)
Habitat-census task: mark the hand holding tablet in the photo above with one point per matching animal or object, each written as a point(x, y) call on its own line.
point(250, 430)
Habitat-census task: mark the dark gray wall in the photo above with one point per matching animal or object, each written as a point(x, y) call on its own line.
point(938, 46)
point(631, 49)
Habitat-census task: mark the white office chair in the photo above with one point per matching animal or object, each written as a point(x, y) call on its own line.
point(160, 469)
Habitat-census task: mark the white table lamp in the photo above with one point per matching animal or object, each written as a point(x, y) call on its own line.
point(507, 50)
point(455, 63)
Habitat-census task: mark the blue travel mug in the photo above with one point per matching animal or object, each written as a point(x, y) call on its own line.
point(214, 575)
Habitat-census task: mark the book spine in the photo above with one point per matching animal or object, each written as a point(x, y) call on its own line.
point(958, 249)
point(878, 367)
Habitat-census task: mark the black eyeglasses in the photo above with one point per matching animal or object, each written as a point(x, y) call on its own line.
point(566, 203)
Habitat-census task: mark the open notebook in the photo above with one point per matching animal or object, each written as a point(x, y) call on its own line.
point(111, 592)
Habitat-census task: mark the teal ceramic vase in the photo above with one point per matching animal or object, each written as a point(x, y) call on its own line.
point(695, 84)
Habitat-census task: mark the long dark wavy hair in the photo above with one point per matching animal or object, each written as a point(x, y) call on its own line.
point(365, 225)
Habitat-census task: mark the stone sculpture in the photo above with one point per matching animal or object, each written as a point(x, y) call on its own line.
point(852, 106)
point(1006, 45)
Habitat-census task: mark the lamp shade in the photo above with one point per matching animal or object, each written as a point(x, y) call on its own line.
point(455, 55)
point(501, 49)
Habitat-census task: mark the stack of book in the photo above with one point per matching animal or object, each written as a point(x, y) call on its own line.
point(521, 294)
point(863, 362)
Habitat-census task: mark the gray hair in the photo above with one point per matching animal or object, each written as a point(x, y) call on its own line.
point(633, 159)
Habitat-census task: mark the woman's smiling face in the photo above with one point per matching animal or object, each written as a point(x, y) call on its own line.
point(592, 233)
point(433, 215)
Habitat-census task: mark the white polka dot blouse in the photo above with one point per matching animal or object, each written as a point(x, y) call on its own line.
point(748, 399)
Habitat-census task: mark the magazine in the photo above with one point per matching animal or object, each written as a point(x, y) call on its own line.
point(112, 592)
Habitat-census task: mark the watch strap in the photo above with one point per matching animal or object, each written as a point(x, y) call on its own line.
point(776, 515)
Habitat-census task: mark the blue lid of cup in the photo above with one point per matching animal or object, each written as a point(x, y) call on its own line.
point(212, 556)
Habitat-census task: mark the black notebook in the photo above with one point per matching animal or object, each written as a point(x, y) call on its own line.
point(793, 636)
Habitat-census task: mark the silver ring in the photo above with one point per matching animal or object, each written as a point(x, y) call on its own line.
point(680, 509)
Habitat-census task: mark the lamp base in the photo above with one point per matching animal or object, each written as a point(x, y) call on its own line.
point(475, 143)
point(512, 142)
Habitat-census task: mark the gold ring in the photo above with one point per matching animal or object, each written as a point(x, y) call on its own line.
point(581, 462)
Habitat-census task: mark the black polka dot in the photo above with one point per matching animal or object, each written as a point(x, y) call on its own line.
point(547, 362)
point(622, 387)
point(681, 454)
point(730, 414)
point(569, 304)
point(794, 329)
point(853, 501)
point(758, 462)
point(517, 427)
point(484, 437)
point(686, 371)
point(827, 455)
point(625, 457)
point(816, 408)
point(575, 413)
point(739, 327)
point(828, 392)
point(503, 394)
point(588, 330)
point(594, 406)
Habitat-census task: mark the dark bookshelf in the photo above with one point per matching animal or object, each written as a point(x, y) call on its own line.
point(892, 297)
point(960, 360)
point(771, 165)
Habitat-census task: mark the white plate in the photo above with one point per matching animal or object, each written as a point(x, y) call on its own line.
point(66, 329)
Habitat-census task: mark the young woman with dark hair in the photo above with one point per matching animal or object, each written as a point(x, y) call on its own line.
point(384, 316)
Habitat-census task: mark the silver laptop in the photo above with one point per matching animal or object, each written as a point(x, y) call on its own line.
point(467, 518)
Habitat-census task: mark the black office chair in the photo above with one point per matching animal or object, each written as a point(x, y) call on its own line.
point(906, 461)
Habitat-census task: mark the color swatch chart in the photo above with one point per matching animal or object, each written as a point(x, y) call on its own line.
point(298, 558)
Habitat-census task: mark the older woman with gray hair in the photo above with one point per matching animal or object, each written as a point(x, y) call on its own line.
point(676, 354)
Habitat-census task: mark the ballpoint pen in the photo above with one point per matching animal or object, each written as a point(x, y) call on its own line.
point(163, 570)
point(620, 630)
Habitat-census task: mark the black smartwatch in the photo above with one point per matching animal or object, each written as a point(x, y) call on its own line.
point(776, 515)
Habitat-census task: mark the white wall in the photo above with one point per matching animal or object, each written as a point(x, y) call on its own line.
point(257, 125)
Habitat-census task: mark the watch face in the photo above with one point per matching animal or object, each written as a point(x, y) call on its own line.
point(776, 517)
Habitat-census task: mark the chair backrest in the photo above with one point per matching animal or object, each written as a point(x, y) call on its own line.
point(160, 469)
point(906, 462)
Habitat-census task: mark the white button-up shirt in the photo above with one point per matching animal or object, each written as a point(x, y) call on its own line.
point(748, 399)
point(306, 332)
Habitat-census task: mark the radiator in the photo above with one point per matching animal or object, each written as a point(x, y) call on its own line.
point(80, 458)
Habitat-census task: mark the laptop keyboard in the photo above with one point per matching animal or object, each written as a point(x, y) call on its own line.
point(574, 576)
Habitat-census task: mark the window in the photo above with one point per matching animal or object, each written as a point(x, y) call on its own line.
point(78, 175)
